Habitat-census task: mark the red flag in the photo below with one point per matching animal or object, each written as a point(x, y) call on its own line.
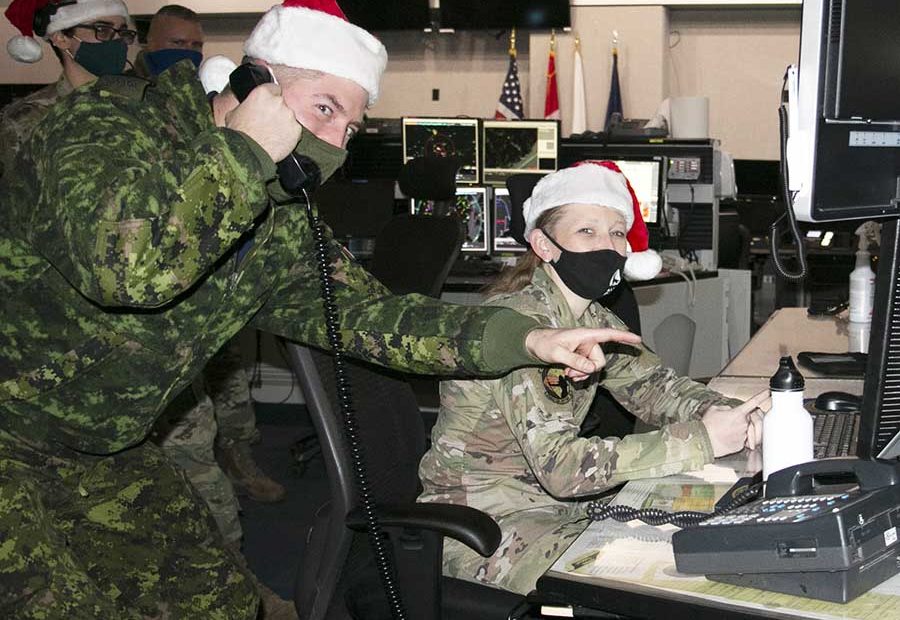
point(551, 103)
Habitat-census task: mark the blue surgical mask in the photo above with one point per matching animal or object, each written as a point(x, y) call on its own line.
point(103, 58)
point(160, 60)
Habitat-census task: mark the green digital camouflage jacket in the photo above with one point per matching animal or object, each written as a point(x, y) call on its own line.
point(511, 444)
point(121, 273)
point(18, 119)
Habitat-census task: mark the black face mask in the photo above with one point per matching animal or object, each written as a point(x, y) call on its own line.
point(590, 275)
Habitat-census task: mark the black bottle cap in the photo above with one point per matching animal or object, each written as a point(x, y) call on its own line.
point(787, 378)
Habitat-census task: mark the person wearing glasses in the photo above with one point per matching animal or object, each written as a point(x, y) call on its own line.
point(89, 37)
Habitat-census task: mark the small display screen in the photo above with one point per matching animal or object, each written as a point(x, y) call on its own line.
point(444, 137)
point(517, 147)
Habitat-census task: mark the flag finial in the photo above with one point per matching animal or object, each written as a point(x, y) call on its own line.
point(577, 42)
point(615, 41)
point(553, 39)
point(512, 42)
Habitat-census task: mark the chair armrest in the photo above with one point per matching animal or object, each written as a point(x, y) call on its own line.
point(469, 526)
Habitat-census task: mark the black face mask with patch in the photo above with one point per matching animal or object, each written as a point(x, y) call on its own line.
point(590, 275)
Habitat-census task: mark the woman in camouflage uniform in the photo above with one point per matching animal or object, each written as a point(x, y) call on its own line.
point(510, 446)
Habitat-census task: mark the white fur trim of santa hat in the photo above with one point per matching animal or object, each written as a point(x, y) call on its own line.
point(214, 73)
point(309, 39)
point(594, 183)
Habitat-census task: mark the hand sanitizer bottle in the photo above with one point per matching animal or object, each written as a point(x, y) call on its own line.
point(788, 427)
point(862, 289)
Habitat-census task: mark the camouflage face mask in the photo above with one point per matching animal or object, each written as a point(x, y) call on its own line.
point(327, 157)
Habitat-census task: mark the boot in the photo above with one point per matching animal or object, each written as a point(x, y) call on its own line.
point(271, 606)
point(248, 479)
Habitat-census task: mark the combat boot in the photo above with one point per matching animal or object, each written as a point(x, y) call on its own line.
point(248, 479)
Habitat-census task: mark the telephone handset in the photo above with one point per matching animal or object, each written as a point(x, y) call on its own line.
point(826, 529)
point(296, 173)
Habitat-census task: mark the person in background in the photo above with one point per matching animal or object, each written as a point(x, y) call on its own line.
point(144, 226)
point(89, 37)
point(175, 33)
point(510, 446)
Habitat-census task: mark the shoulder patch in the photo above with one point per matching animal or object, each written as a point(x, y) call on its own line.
point(128, 86)
point(557, 386)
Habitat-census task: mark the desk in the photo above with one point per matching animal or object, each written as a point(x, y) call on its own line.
point(639, 580)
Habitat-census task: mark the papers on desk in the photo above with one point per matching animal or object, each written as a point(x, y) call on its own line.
point(639, 556)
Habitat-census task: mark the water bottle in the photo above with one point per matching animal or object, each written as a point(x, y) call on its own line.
point(788, 427)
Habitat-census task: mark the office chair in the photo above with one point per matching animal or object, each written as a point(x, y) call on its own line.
point(414, 253)
point(734, 242)
point(673, 339)
point(337, 579)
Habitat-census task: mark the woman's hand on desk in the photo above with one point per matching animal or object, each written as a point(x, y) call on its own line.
point(730, 428)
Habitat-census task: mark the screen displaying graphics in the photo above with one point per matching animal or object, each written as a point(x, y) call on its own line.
point(503, 240)
point(646, 178)
point(444, 137)
point(516, 147)
point(471, 206)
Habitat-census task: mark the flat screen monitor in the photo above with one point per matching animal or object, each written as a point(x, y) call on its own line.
point(387, 14)
point(481, 14)
point(471, 207)
point(517, 147)
point(843, 140)
point(503, 239)
point(646, 176)
point(445, 137)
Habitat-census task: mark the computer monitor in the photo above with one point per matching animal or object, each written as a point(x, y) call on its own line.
point(445, 137)
point(843, 157)
point(503, 239)
point(516, 147)
point(647, 178)
point(471, 206)
point(843, 146)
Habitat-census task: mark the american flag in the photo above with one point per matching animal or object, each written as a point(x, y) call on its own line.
point(510, 105)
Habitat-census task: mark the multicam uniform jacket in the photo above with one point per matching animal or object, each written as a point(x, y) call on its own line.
point(121, 275)
point(18, 119)
point(510, 446)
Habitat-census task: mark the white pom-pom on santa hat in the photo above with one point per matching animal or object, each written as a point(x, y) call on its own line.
point(24, 49)
point(315, 35)
point(598, 183)
point(214, 73)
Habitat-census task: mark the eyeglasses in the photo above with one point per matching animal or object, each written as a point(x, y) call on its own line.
point(105, 32)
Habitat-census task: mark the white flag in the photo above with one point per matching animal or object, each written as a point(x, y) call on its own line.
point(579, 106)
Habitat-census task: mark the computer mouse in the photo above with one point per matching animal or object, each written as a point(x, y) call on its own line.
point(838, 401)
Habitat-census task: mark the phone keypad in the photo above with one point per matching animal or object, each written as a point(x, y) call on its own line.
point(781, 510)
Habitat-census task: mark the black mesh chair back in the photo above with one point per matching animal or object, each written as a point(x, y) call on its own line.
point(337, 578)
point(734, 242)
point(414, 253)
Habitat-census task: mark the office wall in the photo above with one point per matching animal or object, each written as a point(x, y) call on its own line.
point(734, 56)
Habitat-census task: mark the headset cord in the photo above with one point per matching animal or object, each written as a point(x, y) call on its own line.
point(345, 401)
point(598, 511)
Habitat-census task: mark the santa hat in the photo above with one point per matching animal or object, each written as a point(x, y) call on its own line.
point(53, 16)
point(315, 35)
point(598, 183)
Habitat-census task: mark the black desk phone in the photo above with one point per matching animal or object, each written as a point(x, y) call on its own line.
point(295, 172)
point(808, 536)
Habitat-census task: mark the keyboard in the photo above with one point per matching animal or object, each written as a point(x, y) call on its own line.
point(834, 434)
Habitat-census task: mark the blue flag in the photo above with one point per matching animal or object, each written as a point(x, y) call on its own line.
point(614, 105)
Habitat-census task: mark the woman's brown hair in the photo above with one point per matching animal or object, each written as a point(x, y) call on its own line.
point(515, 278)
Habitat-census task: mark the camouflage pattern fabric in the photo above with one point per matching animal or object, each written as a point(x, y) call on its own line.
point(121, 277)
point(215, 409)
point(18, 119)
point(121, 536)
point(510, 446)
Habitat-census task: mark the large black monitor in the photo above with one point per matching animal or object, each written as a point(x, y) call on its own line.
point(445, 137)
point(471, 206)
point(516, 147)
point(388, 14)
point(843, 156)
point(504, 242)
point(647, 178)
point(482, 14)
point(843, 146)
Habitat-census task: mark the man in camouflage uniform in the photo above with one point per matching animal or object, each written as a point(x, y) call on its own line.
point(175, 33)
point(510, 446)
point(141, 231)
point(18, 119)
